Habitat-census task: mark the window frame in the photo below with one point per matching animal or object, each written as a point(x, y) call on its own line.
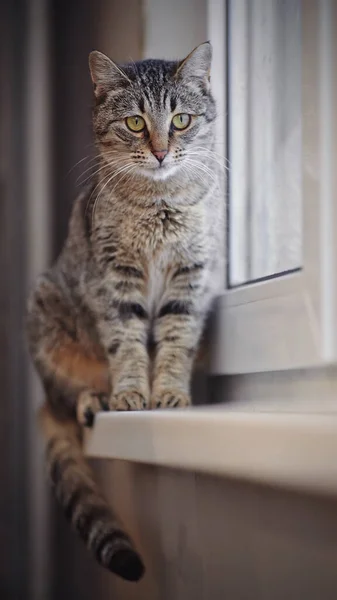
point(289, 322)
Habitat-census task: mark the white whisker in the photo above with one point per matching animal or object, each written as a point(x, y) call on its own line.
point(216, 156)
point(114, 175)
point(209, 151)
point(108, 165)
point(203, 168)
point(191, 170)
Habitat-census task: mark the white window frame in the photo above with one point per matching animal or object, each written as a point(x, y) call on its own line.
point(290, 322)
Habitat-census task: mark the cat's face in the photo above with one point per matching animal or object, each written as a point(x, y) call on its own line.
point(154, 117)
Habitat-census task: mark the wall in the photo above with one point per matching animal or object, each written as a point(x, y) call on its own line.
point(13, 400)
point(206, 538)
point(172, 29)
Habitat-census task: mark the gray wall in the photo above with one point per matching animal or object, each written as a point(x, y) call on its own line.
point(13, 402)
point(208, 538)
point(172, 29)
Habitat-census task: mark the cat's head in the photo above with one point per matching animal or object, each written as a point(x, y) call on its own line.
point(154, 117)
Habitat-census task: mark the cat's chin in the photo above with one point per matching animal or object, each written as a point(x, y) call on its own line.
point(160, 173)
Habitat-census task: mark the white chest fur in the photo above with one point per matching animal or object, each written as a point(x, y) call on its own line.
point(157, 281)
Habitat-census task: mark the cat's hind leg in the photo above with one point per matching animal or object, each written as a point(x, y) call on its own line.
point(75, 375)
point(90, 402)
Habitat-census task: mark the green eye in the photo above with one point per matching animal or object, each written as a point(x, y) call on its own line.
point(181, 121)
point(135, 123)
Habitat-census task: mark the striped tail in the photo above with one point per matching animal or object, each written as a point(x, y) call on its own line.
point(81, 501)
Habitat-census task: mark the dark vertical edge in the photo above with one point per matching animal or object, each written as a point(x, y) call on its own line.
point(13, 517)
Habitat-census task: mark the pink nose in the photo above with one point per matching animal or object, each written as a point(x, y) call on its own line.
point(160, 154)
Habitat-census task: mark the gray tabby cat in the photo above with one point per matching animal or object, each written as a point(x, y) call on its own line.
point(116, 323)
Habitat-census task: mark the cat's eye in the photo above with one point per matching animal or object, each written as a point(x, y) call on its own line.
point(135, 123)
point(181, 121)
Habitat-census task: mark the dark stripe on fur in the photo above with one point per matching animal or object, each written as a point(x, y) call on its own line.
point(189, 269)
point(113, 348)
point(148, 97)
point(173, 101)
point(171, 339)
point(129, 271)
point(86, 517)
point(165, 96)
point(126, 285)
point(101, 99)
point(127, 310)
point(126, 564)
point(58, 467)
point(82, 503)
point(110, 249)
point(71, 504)
point(175, 307)
point(107, 539)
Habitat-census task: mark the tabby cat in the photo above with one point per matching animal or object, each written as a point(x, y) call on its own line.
point(116, 323)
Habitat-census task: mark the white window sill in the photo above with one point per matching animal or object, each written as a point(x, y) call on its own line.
point(290, 450)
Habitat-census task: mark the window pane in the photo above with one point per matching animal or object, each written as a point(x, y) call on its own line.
point(264, 133)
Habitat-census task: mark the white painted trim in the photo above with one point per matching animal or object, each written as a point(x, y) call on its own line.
point(216, 17)
point(216, 27)
point(288, 450)
point(289, 322)
point(328, 229)
point(276, 333)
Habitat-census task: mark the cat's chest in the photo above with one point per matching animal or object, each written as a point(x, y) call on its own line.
point(157, 280)
point(158, 228)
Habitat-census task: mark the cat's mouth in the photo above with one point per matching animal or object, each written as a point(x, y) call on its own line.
point(158, 172)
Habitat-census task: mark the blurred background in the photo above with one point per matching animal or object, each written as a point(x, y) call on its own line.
point(202, 537)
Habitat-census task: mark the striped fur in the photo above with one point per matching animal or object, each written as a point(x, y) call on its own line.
point(81, 501)
point(116, 323)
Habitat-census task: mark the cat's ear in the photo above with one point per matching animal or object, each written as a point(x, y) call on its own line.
point(105, 74)
point(197, 63)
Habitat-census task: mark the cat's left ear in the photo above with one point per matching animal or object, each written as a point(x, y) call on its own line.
point(197, 63)
point(105, 74)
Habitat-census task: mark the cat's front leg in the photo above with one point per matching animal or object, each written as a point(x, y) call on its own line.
point(123, 327)
point(128, 357)
point(177, 332)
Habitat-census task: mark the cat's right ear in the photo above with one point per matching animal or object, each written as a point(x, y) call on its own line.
point(105, 74)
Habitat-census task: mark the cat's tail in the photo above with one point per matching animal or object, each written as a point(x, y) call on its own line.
point(82, 502)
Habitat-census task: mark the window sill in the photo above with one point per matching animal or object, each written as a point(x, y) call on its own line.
point(288, 450)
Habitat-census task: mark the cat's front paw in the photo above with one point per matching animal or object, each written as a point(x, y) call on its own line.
point(170, 398)
point(128, 400)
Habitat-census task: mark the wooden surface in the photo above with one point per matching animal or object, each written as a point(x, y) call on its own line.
point(295, 451)
point(206, 538)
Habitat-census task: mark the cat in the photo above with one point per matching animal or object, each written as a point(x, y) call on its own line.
point(116, 322)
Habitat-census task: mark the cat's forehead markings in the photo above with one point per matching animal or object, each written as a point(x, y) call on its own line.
point(161, 107)
point(165, 95)
point(173, 103)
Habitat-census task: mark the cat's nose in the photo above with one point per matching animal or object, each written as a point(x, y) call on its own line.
point(160, 154)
